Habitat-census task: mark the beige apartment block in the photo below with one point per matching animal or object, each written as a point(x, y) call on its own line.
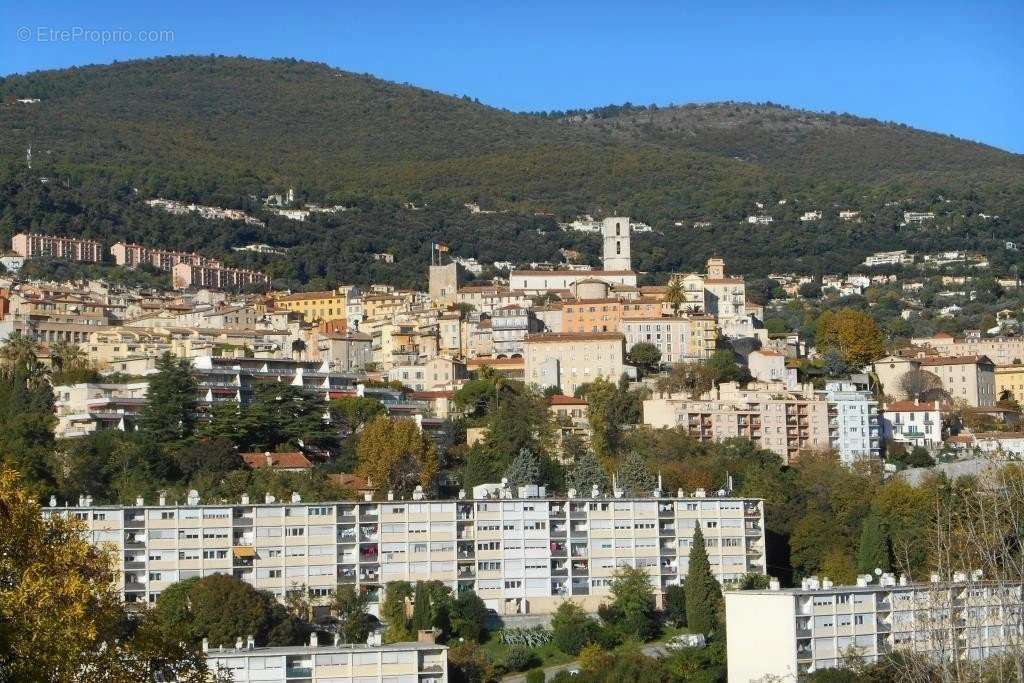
point(783, 421)
point(1001, 350)
point(394, 663)
point(784, 634)
point(521, 555)
point(571, 360)
point(684, 339)
point(34, 245)
point(971, 379)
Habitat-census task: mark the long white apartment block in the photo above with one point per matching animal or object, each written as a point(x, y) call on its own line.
point(519, 554)
point(786, 633)
point(395, 663)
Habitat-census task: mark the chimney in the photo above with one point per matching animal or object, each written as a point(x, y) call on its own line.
point(313, 641)
point(206, 644)
point(269, 498)
point(368, 496)
point(337, 639)
point(773, 584)
point(238, 643)
point(163, 498)
point(391, 495)
point(296, 498)
point(250, 643)
point(140, 501)
point(426, 637)
point(245, 499)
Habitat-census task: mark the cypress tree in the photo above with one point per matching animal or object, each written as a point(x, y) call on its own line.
point(421, 614)
point(874, 546)
point(703, 593)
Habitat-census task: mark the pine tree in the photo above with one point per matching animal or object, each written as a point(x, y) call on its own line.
point(524, 469)
point(169, 414)
point(585, 473)
point(874, 546)
point(421, 613)
point(703, 593)
point(634, 478)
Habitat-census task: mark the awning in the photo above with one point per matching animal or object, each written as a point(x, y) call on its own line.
point(244, 551)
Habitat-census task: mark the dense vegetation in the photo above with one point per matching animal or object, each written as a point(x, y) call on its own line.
point(226, 131)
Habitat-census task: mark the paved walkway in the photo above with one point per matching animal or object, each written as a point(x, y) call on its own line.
point(652, 650)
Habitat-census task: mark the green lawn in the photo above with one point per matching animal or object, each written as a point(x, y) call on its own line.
point(547, 654)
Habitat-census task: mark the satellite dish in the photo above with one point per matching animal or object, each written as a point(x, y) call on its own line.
point(878, 571)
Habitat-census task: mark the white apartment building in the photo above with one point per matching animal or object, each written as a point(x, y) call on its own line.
point(914, 423)
point(680, 340)
point(855, 427)
point(568, 361)
point(394, 663)
point(889, 258)
point(519, 554)
point(786, 633)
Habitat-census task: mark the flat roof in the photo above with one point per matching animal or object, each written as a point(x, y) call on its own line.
point(320, 649)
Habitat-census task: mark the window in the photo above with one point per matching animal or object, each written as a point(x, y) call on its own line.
point(295, 531)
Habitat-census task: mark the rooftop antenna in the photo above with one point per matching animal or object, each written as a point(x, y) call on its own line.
point(28, 156)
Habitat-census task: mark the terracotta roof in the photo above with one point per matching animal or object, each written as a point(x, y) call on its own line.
point(723, 280)
point(766, 352)
point(955, 360)
point(494, 362)
point(561, 400)
point(585, 274)
point(299, 296)
point(999, 435)
point(277, 461)
point(568, 337)
point(911, 406)
point(426, 395)
point(943, 335)
point(572, 302)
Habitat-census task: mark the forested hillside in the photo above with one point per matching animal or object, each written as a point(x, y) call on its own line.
point(226, 131)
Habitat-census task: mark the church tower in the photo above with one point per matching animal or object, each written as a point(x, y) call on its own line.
point(615, 231)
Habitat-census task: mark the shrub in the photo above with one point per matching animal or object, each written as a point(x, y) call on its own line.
point(518, 658)
point(535, 676)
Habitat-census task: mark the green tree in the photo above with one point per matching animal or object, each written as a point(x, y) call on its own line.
point(352, 413)
point(469, 616)
point(61, 619)
point(634, 477)
point(675, 604)
point(392, 612)
point(704, 603)
point(524, 469)
point(468, 663)
point(675, 294)
point(421, 613)
point(874, 547)
point(170, 411)
point(222, 608)
point(645, 356)
point(395, 455)
point(633, 598)
point(853, 333)
point(571, 628)
point(585, 473)
point(349, 606)
point(723, 367)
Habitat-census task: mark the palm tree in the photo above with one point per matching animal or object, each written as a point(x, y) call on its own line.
point(675, 294)
point(298, 348)
point(65, 356)
point(19, 352)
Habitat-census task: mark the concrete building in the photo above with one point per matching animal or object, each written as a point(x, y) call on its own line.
point(1010, 381)
point(131, 256)
point(570, 360)
point(341, 303)
point(784, 634)
point(535, 282)
point(215, 276)
point(914, 423)
point(591, 315)
point(889, 258)
point(510, 326)
point(766, 365)
point(349, 352)
point(1001, 350)
point(394, 663)
point(971, 379)
point(785, 421)
point(35, 245)
point(684, 339)
point(521, 554)
point(91, 407)
point(615, 233)
point(444, 282)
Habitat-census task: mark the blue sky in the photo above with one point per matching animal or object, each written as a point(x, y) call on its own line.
point(942, 66)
